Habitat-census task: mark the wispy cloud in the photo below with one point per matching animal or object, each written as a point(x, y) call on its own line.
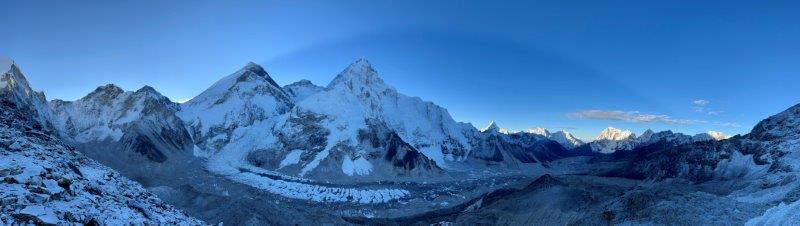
point(629, 116)
point(637, 117)
point(701, 102)
point(727, 124)
point(701, 105)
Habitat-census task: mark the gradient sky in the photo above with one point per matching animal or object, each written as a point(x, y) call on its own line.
point(576, 65)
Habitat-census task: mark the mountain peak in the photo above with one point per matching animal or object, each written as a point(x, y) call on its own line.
point(6, 64)
point(782, 126)
point(492, 127)
point(357, 75)
point(147, 88)
point(710, 135)
point(539, 131)
point(612, 133)
point(109, 90)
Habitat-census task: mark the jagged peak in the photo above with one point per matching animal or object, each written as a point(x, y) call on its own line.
point(539, 131)
point(251, 69)
point(358, 74)
point(110, 90)
point(611, 133)
point(711, 135)
point(492, 127)
point(781, 126)
point(302, 82)
point(147, 89)
point(6, 64)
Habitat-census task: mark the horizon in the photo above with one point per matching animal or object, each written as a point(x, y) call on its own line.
point(581, 69)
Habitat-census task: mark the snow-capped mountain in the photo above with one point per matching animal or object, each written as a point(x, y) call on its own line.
point(781, 127)
point(562, 137)
point(302, 89)
point(566, 139)
point(492, 127)
point(498, 146)
point(710, 135)
point(539, 131)
point(15, 89)
point(612, 139)
point(141, 121)
point(770, 148)
point(615, 134)
point(48, 183)
point(330, 127)
point(241, 99)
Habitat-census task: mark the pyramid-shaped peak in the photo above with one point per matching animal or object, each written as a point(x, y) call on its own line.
point(360, 66)
point(302, 82)
point(255, 68)
point(148, 91)
point(358, 74)
point(105, 90)
point(492, 127)
point(6, 64)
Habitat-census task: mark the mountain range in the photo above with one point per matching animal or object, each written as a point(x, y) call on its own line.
point(355, 142)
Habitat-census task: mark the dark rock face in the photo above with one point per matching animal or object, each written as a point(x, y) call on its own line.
point(784, 125)
point(303, 130)
point(402, 156)
point(522, 147)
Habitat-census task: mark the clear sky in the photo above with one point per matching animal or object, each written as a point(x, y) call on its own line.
point(581, 66)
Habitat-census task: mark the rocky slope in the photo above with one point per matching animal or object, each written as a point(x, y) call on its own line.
point(46, 182)
point(142, 122)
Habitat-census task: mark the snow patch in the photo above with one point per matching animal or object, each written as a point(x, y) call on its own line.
point(783, 214)
point(292, 158)
point(359, 166)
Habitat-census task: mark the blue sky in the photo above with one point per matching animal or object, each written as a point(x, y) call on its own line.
point(688, 66)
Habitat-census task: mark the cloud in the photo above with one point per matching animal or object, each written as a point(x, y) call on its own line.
point(629, 116)
point(728, 124)
point(701, 105)
point(701, 102)
point(637, 117)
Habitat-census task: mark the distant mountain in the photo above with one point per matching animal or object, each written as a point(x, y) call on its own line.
point(768, 148)
point(710, 135)
point(566, 139)
point(562, 137)
point(612, 139)
point(302, 89)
